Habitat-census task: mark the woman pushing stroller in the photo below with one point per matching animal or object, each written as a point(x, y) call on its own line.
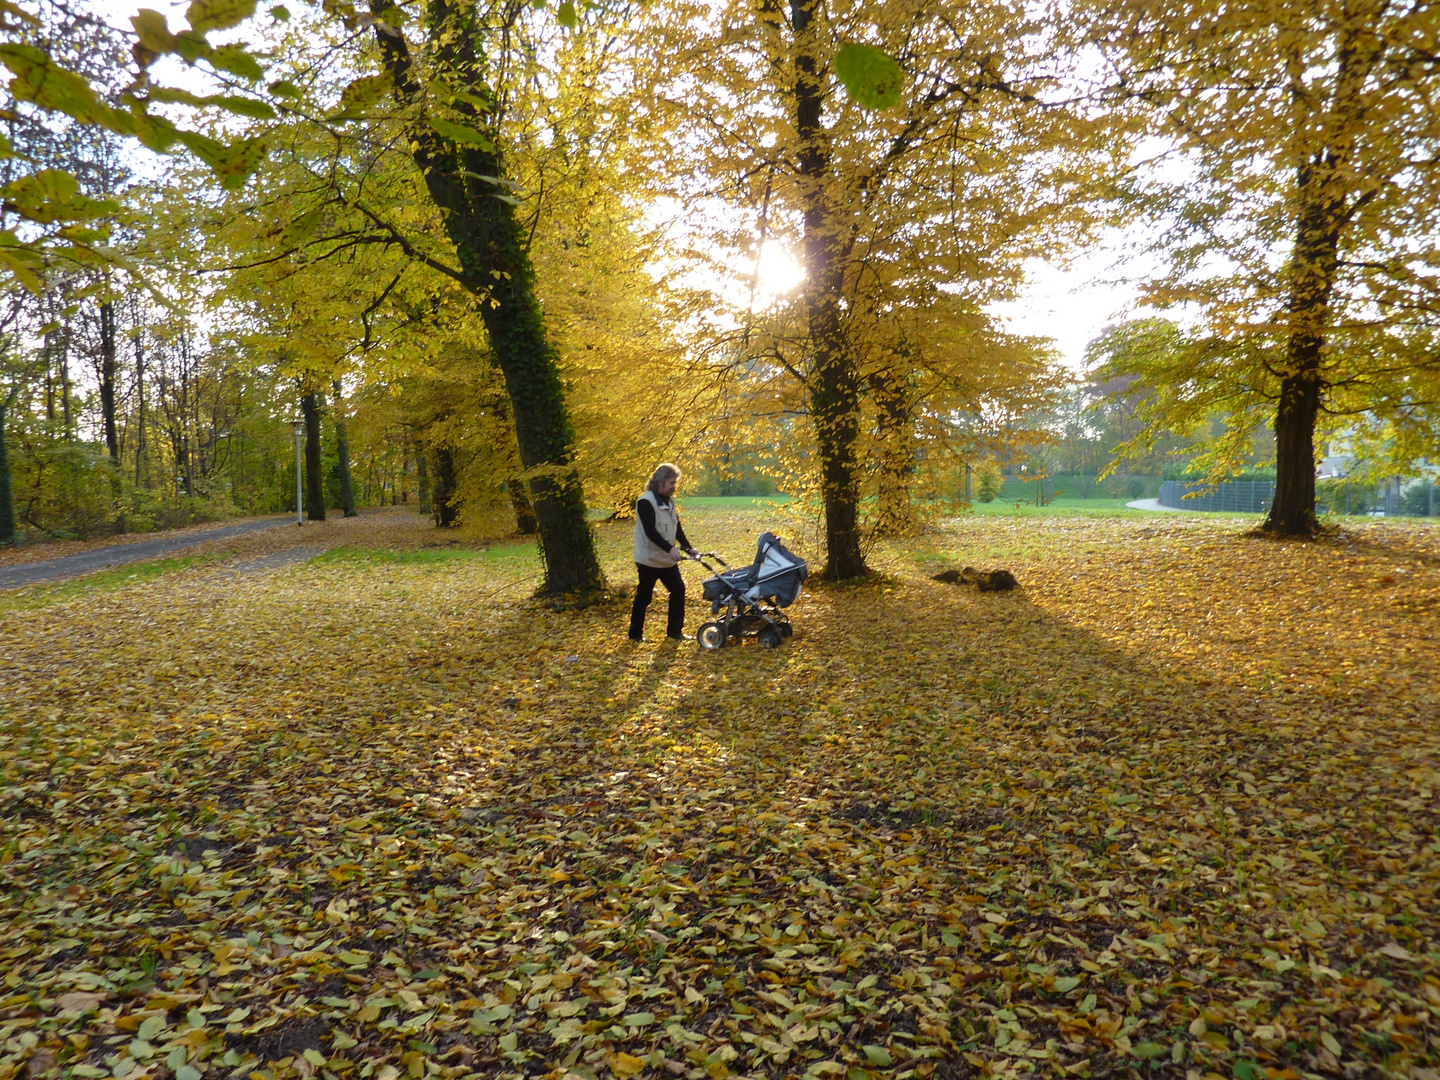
point(660, 546)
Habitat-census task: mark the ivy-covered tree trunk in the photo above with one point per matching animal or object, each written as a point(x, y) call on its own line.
point(464, 172)
point(7, 493)
point(342, 448)
point(442, 497)
point(1312, 270)
point(834, 382)
point(525, 522)
point(311, 405)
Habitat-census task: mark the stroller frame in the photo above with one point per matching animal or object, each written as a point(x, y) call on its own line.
point(764, 620)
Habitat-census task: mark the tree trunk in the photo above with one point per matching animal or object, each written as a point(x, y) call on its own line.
point(107, 381)
point(311, 405)
point(443, 496)
point(342, 448)
point(495, 267)
point(107, 405)
point(65, 380)
point(7, 496)
point(897, 454)
point(834, 383)
point(525, 522)
point(139, 407)
point(1311, 274)
point(422, 480)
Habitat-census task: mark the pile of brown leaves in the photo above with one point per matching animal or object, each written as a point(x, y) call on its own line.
point(1170, 808)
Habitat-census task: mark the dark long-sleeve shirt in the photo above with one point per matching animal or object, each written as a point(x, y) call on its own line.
point(646, 513)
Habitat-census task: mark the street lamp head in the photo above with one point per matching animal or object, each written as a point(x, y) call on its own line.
point(298, 426)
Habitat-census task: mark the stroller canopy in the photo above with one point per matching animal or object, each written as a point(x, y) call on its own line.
point(777, 573)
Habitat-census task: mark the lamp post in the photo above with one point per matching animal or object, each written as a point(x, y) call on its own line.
point(299, 426)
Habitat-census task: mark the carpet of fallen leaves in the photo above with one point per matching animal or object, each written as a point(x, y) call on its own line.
point(1169, 809)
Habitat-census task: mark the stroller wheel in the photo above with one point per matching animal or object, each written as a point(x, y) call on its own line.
point(769, 638)
point(711, 636)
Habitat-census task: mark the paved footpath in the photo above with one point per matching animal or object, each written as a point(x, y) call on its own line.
point(87, 562)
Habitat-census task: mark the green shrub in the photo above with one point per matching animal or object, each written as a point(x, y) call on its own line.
point(1415, 500)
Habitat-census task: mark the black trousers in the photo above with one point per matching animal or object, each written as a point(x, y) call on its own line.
point(645, 591)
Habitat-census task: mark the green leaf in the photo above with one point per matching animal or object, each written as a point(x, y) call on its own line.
point(869, 76)
point(206, 15)
point(237, 61)
point(233, 164)
point(150, 1027)
point(284, 88)
point(1065, 984)
point(565, 15)
point(152, 30)
point(314, 1057)
point(23, 263)
point(640, 1019)
point(459, 133)
point(153, 132)
point(1148, 1051)
point(190, 45)
point(951, 940)
point(1247, 1070)
point(187, 1072)
point(243, 106)
point(38, 79)
point(1331, 1043)
point(878, 1055)
point(363, 93)
point(280, 13)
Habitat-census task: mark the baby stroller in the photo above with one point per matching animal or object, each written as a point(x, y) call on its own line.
point(752, 596)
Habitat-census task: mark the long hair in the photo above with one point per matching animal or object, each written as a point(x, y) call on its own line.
point(664, 471)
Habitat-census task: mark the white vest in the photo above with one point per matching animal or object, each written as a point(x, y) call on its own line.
point(667, 523)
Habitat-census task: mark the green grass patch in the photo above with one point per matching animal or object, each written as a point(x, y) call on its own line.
point(731, 502)
point(29, 597)
point(437, 556)
point(1057, 507)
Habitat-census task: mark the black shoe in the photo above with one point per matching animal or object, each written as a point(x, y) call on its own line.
point(636, 638)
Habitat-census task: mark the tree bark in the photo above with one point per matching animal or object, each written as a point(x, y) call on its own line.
point(495, 267)
point(139, 407)
point(107, 381)
point(1311, 273)
point(834, 382)
point(107, 405)
point(443, 495)
point(422, 480)
point(525, 522)
point(311, 405)
point(342, 448)
point(7, 494)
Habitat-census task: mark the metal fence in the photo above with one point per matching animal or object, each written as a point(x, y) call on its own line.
point(1235, 496)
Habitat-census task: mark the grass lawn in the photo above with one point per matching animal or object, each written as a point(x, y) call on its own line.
point(1169, 809)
